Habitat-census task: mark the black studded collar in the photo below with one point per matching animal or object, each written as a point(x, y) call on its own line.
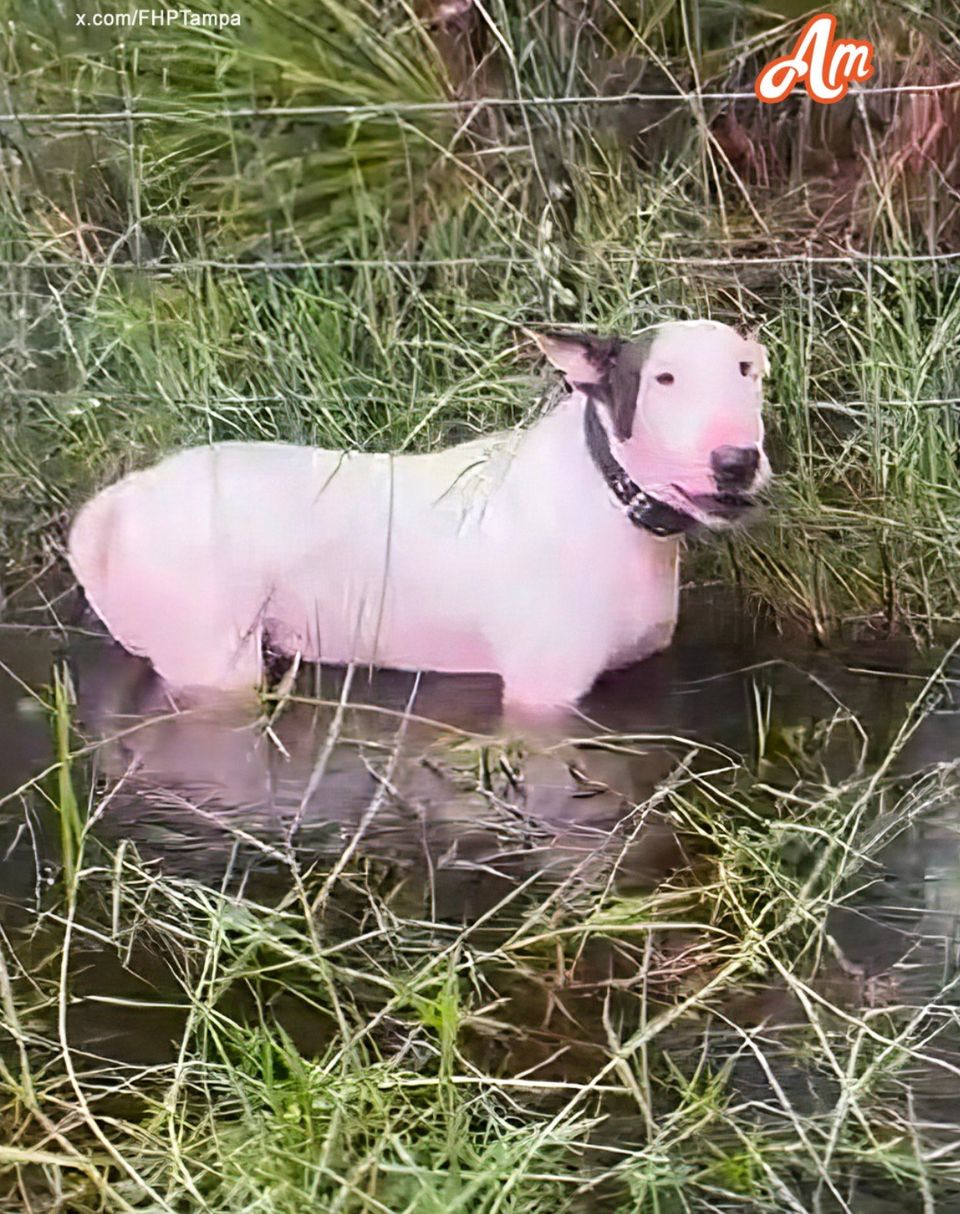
point(641, 508)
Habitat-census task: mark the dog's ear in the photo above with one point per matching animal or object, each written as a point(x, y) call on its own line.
point(624, 385)
point(582, 357)
point(761, 358)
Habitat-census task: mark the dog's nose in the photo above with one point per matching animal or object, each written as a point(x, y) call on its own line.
point(734, 467)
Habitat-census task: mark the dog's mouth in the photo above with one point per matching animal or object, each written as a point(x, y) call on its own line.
point(727, 506)
point(674, 511)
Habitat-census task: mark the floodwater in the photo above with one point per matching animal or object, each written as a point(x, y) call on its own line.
point(385, 770)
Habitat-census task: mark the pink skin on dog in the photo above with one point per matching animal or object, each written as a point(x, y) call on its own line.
point(508, 554)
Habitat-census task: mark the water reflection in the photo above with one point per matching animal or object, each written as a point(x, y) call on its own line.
point(401, 759)
point(456, 809)
point(415, 762)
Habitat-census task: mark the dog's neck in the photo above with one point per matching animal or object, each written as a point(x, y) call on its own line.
point(640, 507)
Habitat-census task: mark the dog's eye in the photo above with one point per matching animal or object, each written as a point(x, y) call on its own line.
point(746, 368)
point(666, 379)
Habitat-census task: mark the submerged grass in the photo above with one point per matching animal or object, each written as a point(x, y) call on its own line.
point(66, 803)
point(254, 260)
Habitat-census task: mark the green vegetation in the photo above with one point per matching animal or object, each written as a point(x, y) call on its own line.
point(288, 230)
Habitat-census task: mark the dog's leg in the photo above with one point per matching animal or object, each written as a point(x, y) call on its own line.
point(550, 641)
point(550, 675)
point(532, 689)
point(204, 640)
point(215, 654)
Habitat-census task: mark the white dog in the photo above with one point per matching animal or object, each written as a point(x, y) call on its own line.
point(546, 555)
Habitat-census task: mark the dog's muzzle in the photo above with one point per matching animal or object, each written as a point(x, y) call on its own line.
point(723, 507)
point(713, 510)
point(667, 510)
point(734, 468)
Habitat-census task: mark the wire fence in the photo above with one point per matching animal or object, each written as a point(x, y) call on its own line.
point(92, 357)
point(316, 398)
point(400, 263)
point(132, 261)
point(403, 108)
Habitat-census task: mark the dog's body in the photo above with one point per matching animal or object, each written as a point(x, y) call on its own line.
point(507, 554)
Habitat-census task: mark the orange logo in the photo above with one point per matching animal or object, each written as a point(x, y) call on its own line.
point(826, 66)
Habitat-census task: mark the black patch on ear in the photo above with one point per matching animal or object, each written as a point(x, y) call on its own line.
point(600, 352)
point(623, 385)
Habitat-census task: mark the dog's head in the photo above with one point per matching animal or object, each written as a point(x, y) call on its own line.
point(682, 408)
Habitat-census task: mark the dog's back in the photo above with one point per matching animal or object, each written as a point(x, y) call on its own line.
point(224, 541)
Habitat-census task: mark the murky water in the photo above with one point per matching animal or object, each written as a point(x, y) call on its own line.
point(191, 787)
point(389, 770)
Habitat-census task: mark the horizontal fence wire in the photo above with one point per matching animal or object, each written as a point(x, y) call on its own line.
point(312, 398)
point(368, 263)
point(403, 108)
point(164, 268)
